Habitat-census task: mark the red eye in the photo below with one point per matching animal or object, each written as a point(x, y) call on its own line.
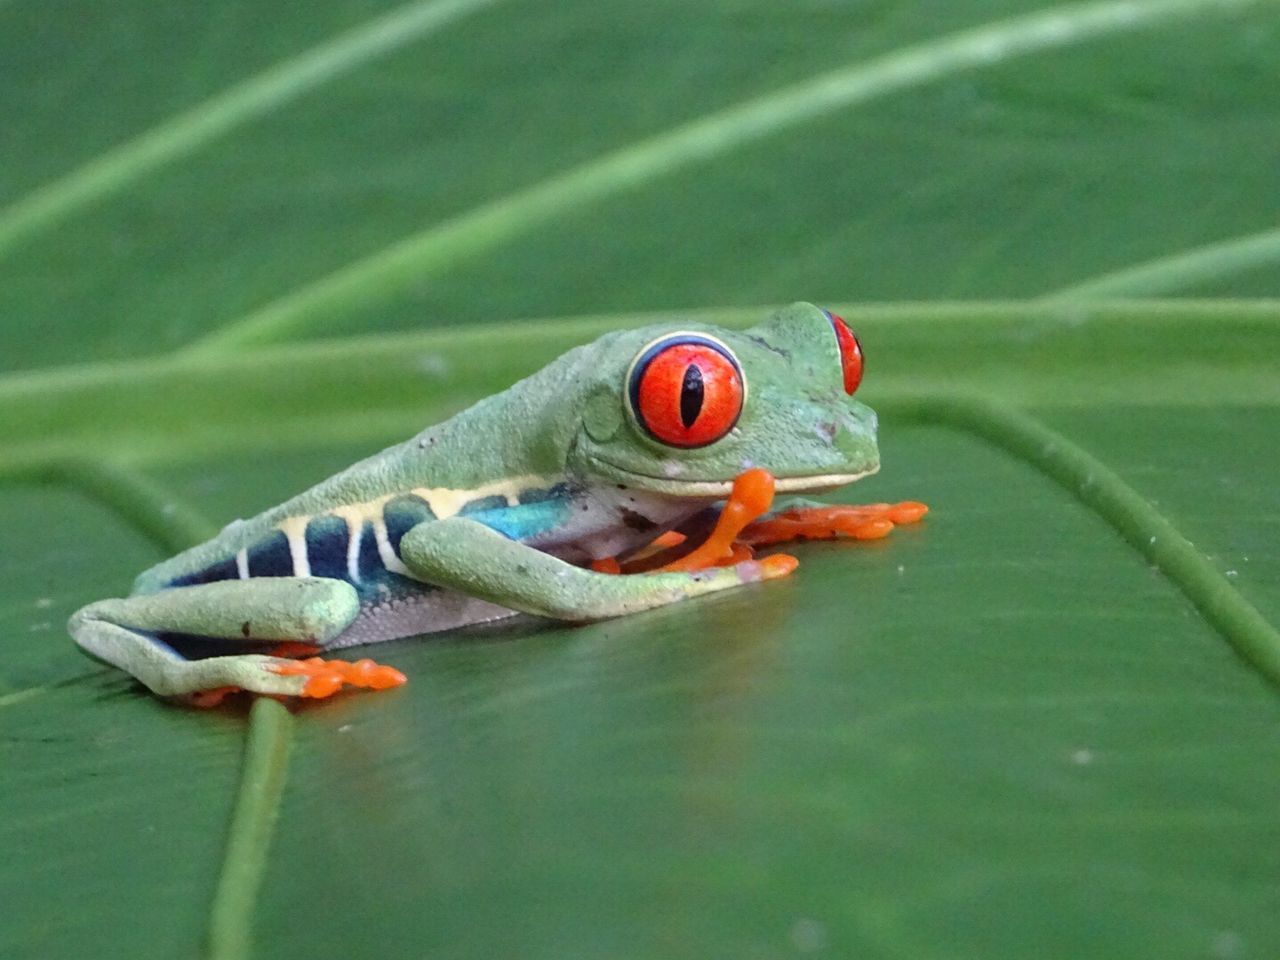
point(850, 353)
point(686, 391)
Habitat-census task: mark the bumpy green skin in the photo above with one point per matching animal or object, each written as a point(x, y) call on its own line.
point(569, 424)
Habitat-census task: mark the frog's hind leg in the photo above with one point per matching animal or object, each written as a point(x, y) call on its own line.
point(123, 632)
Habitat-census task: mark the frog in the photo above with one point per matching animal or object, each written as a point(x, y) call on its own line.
point(630, 473)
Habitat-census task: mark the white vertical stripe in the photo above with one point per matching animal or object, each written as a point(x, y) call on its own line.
point(295, 531)
point(389, 558)
point(355, 529)
point(242, 563)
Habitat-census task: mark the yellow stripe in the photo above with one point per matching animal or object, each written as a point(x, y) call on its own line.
point(295, 531)
point(443, 501)
point(388, 555)
point(447, 501)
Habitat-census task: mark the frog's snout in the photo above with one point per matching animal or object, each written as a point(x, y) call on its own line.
point(850, 434)
point(854, 421)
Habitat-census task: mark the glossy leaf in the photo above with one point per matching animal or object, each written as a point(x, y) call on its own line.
point(1042, 722)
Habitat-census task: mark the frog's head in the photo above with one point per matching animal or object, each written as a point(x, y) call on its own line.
point(685, 409)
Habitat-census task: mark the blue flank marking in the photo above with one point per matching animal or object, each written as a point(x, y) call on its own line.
point(484, 505)
point(373, 575)
point(222, 570)
point(540, 509)
point(270, 557)
point(327, 547)
point(403, 514)
point(326, 538)
point(560, 491)
point(525, 521)
point(369, 563)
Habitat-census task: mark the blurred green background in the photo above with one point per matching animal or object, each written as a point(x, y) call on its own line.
point(244, 244)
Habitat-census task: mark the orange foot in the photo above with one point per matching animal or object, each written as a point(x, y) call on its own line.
point(870, 522)
point(739, 529)
point(751, 497)
point(326, 677)
point(294, 648)
point(208, 699)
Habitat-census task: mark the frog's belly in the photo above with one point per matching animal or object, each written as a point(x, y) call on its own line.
point(412, 612)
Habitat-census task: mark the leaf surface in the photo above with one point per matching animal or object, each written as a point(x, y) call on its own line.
point(1044, 721)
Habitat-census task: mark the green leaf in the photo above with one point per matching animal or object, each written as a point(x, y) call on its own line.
point(1006, 712)
point(505, 164)
point(1042, 722)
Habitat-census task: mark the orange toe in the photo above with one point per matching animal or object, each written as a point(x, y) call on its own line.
point(908, 511)
point(293, 648)
point(665, 541)
point(866, 522)
point(208, 699)
point(327, 677)
point(871, 529)
point(778, 565)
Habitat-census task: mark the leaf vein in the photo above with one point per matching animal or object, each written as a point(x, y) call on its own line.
point(380, 276)
point(1254, 639)
point(248, 100)
point(1178, 271)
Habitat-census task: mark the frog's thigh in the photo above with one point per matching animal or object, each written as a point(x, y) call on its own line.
point(470, 557)
point(121, 631)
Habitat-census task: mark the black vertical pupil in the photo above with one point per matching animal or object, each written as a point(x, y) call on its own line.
point(691, 395)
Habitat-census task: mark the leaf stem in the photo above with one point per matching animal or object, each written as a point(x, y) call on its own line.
point(266, 763)
point(1252, 637)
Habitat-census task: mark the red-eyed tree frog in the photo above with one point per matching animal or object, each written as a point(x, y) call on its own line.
point(575, 494)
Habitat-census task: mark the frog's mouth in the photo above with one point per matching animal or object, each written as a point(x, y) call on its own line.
point(715, 489)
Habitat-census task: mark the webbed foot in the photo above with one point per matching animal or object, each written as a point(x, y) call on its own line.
point(327, 677)
point(869, 522)
point(745, 523)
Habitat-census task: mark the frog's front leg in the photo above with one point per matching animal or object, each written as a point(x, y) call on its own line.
point(474, 559)
point(123, 632)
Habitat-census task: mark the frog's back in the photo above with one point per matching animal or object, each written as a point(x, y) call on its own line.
point(317, 533)
point(349, 526)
